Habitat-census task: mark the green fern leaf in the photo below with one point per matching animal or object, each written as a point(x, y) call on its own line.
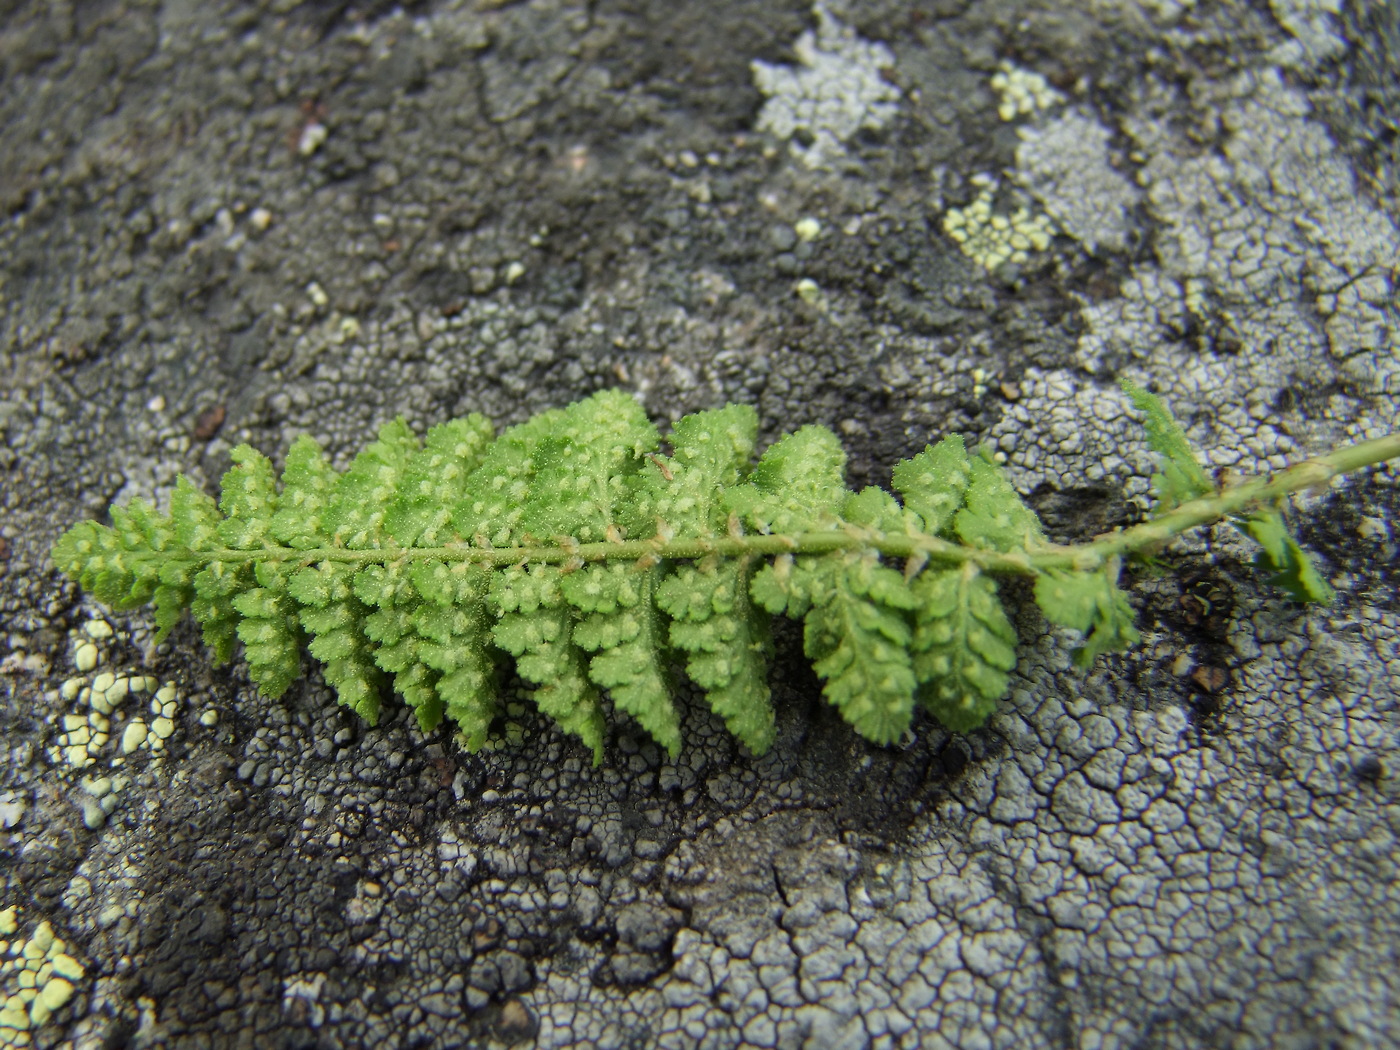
point(622, 629)
point(964, 646)
point(249, 499)
point(535, 626)
point(1092, 604)
point(858, 637)
point(1181, 477)
point(709, 453)
point(94, 555)
point(728, 644)
point(583, 473)
point(268, 630)
point(168, 608)
point(616, 557)
point(454, 630)
point(307, 483)
point(995, 517)
point(363, 495)
point(196, 517)
point(132, 573)
point(335, 617)
point(876, 509)
point(934, 483)
point(496, 492)
point(798, 485)
point(214, 588)
point(1288, 564)
point(388, 591)
point(779, 588)
point(435, 479)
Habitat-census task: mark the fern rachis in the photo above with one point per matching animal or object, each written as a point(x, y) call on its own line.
point(572, 544)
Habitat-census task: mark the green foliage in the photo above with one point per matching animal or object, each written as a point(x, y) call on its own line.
point(994, 516)
point(1181, 477)
point(797, 486)
point(577, 546)
point(726, 641)
point(535, 625)
point(1092, 604)
point(858, 636)
point(1290, 568)
point(964, 645)
point(934, 483)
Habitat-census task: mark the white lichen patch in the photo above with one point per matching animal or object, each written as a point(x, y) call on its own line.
point(1065, 164)
point(37, 977)
point(165, 705)
point(1023, 92)
point(839, 88)
point(991, 239)
point(1266, 252)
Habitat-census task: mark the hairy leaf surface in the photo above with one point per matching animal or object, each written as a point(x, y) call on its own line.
point(995, 516)
point(797, 486)
point(535, 626)
point(727, 644)
point(934, 483)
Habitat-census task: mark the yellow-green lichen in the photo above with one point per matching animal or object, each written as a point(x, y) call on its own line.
point(37, 977)
point(991, 239)
point(1022, 92)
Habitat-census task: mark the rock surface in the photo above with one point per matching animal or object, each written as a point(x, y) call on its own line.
point(230, 222)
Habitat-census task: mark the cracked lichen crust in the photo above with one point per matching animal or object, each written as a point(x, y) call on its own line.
point(574, 544)
point(838, 89)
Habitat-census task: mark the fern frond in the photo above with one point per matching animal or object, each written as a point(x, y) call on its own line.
point(934, 483)
point(579, 547)
point(363, 496)
point(620, 624)
point(393, 599)
point(434, 478)
point(994, 516)
point(1290, 569)
point(307, 483)
point(858, 636)
point(268, 630)
point(335, 617)
point(798, 485)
